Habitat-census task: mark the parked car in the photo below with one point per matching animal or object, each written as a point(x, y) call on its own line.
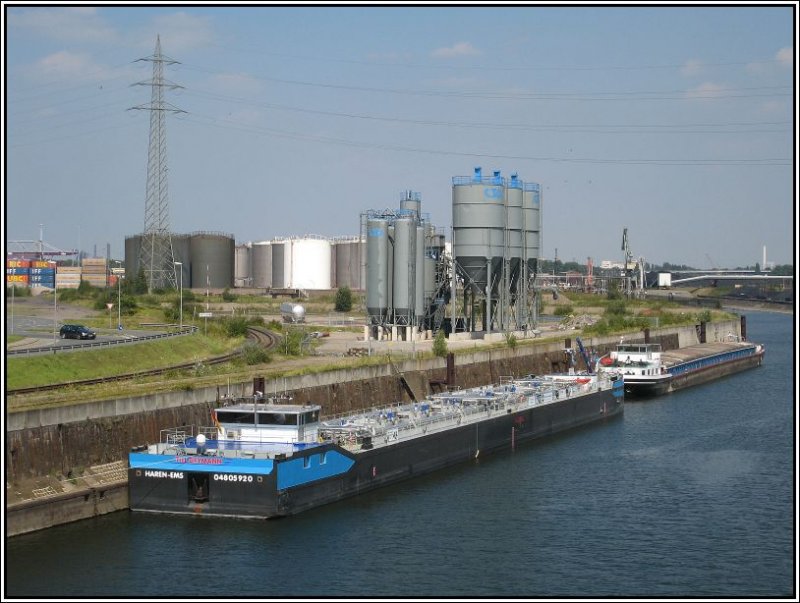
point(76, 332)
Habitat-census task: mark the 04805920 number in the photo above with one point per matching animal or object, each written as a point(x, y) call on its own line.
point(232, 477)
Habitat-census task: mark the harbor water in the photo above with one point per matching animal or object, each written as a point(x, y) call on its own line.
point(686, 495)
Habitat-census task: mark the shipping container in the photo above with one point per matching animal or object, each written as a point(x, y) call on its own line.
point(18, 271)
point(68, 270)
point(18, 263)
point(17, 278)
point(44, 271)
point(42, 264)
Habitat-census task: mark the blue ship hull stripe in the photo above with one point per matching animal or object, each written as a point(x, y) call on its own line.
point(200, 464)
point(307, 469)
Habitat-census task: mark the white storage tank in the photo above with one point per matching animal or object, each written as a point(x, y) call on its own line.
point(308, 260)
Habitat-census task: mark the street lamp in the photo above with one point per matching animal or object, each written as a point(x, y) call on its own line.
point(181, 293)
point(119, 303)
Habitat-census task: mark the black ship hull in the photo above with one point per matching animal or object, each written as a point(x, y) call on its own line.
point(263, 493)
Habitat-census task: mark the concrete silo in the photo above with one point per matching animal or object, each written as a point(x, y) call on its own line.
point(261, 264)
point(515, 227)
point(212, 260)
point(404, 273)
point(419, 275)
point(531, 209)
point(479, 228)
point(377, 269)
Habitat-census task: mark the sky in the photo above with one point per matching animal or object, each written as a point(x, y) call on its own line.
point(673, 121)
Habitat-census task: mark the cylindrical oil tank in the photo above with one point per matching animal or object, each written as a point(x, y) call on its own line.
point(348, 263)
point(515, 226)
point(478, 227)
point(242, 276)
point(531, 210)
point(377, 268)
point(310, 263)
point(419, 275)
point(411, 203)
point(181, 251)
point(133, 247)
point(212, 258)
point(261, 264)
point(404, 276)
point(278, 264)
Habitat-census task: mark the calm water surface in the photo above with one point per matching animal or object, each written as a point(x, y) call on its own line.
point(690, 494)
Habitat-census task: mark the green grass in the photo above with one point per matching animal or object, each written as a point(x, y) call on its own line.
point(13, 338)
point(47, 369)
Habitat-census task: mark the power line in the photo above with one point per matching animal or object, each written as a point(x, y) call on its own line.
point(392, 147)
point(577, 128)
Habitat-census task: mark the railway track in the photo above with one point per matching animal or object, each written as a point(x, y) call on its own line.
point(267, 339)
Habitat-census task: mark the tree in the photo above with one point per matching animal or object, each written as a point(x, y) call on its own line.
point(344, 299)
point(440, 344)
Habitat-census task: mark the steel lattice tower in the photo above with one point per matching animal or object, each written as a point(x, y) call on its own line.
point(156, 255)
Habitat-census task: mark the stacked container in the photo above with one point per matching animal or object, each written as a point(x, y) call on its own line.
point(95, 272)
point(43, 274)
point(18, 273)
point(68, 277)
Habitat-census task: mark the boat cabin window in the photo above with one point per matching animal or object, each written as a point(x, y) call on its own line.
point(277, 418)
point(235, 416)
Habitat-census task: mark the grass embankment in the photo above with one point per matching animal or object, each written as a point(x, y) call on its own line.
point(116, 360)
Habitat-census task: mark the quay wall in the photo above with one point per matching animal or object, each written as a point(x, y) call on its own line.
point(63, 441)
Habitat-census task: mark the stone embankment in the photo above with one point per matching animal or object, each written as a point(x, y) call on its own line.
point(68, 454)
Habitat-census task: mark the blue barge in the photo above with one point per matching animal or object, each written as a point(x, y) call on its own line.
point(263, 460)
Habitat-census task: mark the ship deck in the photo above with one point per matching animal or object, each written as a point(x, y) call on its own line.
point(702, 350)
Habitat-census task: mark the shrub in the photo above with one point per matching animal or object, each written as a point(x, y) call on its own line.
point(511, 340)
point(440, 344)
point(344, 300)
point(228, 296)
point(252, 353)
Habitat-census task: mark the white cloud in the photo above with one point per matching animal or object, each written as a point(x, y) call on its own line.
point(69, 65)
point(705, 90)
point(82, 24)
point(692, 67)
point(785, 56)
point(460, 49)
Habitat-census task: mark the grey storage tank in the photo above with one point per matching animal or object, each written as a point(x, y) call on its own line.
point(514, 194)
point(377, 268)
point(531, 210)
point(404, 275)
point(348, 263)
point(478, 228)
point(411, 204)
point(278, 280)
point(261, 264)
point(212, 259)
point(242, 276)
point(133, 246)
point(419, 274)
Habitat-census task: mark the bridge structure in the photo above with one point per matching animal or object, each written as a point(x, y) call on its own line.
point(741, 276)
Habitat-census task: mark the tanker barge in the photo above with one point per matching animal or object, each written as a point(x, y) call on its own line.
point(648, 371)
point(263, 460)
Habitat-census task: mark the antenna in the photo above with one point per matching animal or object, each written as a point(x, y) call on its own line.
point(156, 255)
